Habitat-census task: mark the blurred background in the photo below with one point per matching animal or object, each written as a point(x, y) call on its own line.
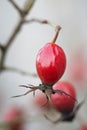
point(71, 15)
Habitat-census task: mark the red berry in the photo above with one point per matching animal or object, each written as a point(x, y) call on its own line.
point(62, 102)
point(83, 127)
point(50, 63)
point(12, 115)
point(77, 68)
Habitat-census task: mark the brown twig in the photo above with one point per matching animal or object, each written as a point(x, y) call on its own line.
point(18, 71)
point(28, 5)
point(23, 13)
point(36, 20)
point(14, 34)
point(58, 28)
point(1, 47)
point(20, 23)
point(16, 7)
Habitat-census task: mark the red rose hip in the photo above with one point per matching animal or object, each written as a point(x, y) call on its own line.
point(62, 102)
point(84, 127)
point(13, 116)
point(50, 63)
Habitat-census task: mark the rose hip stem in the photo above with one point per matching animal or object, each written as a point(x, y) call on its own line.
point(58, 28)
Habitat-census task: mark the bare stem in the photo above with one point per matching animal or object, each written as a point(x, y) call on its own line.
point(1, 47)
point(58, 28)
point(16, 29)
point(14, 34)
point(36, 20)
point(20, 22)
point(28, 5)
point(5, 68)
point(16, 6)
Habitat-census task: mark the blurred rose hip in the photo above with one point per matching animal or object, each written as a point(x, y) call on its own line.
point(84, 127)
point(62, 102)
point(77, 69)
point(13, 116)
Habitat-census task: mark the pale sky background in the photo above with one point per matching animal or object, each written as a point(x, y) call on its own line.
point(70, 14)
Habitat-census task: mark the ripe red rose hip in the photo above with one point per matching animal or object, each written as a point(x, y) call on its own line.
point(62, 102)
point(50, 63)
point(13, 117)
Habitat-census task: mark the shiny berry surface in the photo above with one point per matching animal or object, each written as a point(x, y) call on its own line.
point(62, 102)
point(50, 63)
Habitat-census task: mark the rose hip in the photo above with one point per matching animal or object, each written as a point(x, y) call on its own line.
point(13, 116)
point(62, 102)
point(50, 63)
